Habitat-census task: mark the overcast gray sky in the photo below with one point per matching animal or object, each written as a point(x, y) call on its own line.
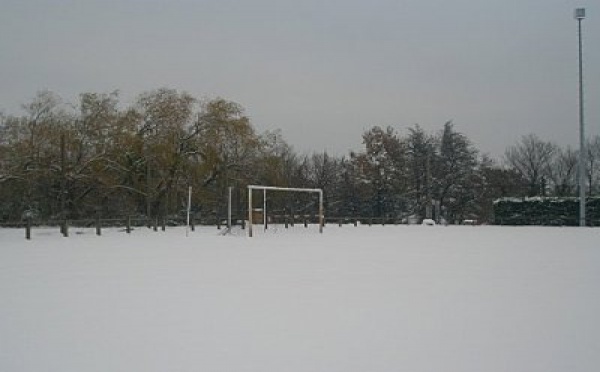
point(321, 71)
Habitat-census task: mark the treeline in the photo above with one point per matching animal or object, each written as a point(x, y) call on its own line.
point(92, 157)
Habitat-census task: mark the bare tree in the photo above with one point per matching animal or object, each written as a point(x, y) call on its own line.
point(593, 158)
point(563, 172)
point(531, 158)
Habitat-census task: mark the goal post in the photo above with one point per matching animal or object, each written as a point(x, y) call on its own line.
point(251, 188)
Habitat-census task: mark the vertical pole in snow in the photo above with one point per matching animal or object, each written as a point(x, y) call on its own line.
point(579, 15)
point(249, 212)
point(98, 226)
point(321, 217)
point(189, 207)
point(28, 228)
point(428, 209)
point(265, 208)
point(229, 209)
point(64, 229)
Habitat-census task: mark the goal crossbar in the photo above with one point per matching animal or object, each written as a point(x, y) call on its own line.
point(251, 188)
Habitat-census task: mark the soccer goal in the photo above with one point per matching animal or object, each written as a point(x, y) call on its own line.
point(264, 189)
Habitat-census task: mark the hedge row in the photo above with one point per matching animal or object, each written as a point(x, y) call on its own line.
point(545, 211)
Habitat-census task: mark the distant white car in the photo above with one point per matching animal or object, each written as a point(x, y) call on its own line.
point(428, 222)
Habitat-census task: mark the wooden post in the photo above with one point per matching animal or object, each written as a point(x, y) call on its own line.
point(63, 187)
point(98, 227)
point(28, 229)
point(164, 213)
point(321, 212)
point(265, 209)
point(229, 205)
point(65, 228)
point(128, 225)
point(189, 207)
point(249, 212)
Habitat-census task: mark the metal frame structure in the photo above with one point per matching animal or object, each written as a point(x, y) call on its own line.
point(251, 188)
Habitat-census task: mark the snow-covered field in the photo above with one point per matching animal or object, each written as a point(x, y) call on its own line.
point(393, 298)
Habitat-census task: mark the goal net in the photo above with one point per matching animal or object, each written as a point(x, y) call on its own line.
point(264, 189)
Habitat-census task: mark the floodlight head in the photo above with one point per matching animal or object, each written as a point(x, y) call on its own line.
point(579, 13)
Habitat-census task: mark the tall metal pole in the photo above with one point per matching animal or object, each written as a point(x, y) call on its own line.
point(580, 15)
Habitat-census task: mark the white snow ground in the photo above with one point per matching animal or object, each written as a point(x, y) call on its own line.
point(393, 298)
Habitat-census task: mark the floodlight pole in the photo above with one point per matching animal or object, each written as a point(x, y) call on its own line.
point(579, 16)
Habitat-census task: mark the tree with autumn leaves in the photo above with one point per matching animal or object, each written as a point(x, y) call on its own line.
point(140, 159)
point(95, 156)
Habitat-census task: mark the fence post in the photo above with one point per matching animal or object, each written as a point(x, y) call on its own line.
point(28, 229)
point(98, 228)
point(65, 228)
point(128, 225)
